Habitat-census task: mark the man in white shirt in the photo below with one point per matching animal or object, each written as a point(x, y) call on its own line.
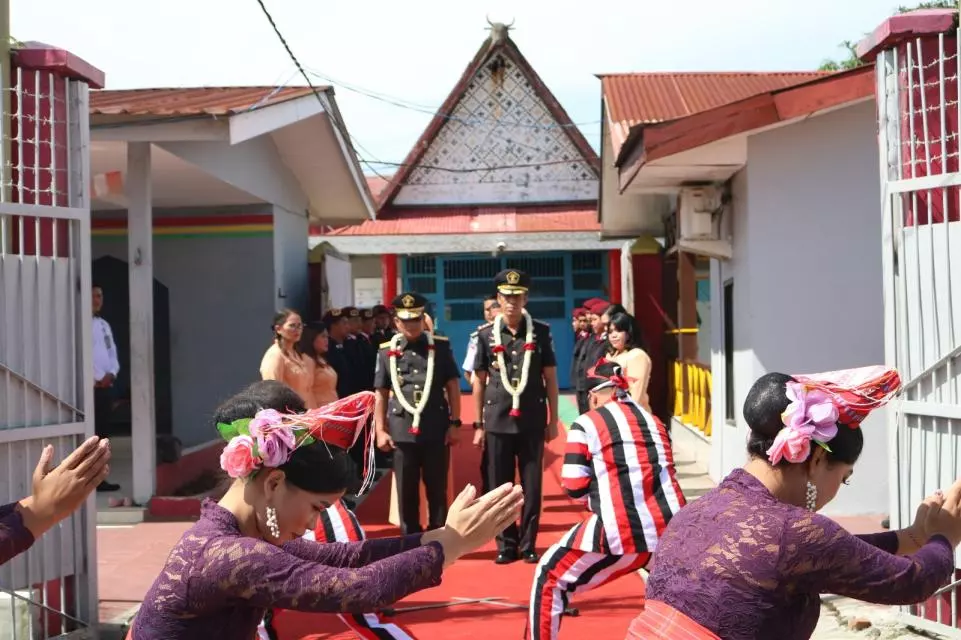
point(106, 366)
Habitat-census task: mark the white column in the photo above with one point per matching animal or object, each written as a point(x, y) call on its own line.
point(627, 277)
point(140, 247)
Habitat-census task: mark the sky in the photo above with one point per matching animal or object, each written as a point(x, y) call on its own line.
point(415, 51)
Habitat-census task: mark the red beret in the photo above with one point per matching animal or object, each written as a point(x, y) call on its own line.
point(598, 306)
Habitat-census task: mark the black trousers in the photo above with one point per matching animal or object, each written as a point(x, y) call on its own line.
point(412, 462)
point(507, 452)
point(484, 472)
point(102, 408)
point(583, 402)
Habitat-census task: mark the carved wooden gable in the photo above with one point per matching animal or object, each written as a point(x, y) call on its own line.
point(501, 144)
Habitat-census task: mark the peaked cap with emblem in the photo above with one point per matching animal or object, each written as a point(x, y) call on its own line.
point(380, 310)
point(333, 314)
point(367, 314)
point(409, 305)
point(512, 282)
point(351, 312)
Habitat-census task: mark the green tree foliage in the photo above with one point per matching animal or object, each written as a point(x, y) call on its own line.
point(851, 60)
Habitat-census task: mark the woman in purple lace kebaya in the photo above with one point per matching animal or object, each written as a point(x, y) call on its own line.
point(749, 559)
point(246, 554)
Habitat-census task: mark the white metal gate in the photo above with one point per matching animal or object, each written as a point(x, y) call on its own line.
point(919, 112)
point(46, 388)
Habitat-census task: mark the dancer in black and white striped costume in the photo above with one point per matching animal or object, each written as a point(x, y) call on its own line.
point(618, 461)
point(339, 524)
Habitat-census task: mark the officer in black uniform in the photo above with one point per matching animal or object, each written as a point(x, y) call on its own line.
point(422, 449)
point(337, 354)
point(515, 438)
point(362, 352)
point(382, 321)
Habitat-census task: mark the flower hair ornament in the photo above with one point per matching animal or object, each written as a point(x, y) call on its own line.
point(820, 402)
point(270, 438)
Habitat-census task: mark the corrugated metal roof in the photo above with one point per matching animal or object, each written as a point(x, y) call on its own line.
point(197, 101)
point(646, 98)
point(458, 220)
point(377, 184)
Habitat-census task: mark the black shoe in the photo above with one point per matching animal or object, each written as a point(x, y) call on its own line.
point(107, 487)
point(506, 557)
point(530, 557)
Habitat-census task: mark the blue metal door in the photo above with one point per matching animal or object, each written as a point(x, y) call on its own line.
point(457, 285)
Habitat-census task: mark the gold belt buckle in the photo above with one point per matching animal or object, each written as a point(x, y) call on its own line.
point(418, 394)
point(515, 382)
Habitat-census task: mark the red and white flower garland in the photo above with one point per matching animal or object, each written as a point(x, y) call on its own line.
point(393, 353)
point(498, 350)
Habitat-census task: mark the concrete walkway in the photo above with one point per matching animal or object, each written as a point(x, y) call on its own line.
point(841, 618)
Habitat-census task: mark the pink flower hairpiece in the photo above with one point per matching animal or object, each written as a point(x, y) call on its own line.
point(266, 440)
point(811, 416)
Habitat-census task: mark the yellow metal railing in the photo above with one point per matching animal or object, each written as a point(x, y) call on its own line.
point(692, 395)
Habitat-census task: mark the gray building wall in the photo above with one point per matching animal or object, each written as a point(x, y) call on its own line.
point(221, 304)
point(806, 230)
point(291, 231)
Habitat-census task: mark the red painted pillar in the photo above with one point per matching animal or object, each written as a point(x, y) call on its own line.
point(614, 275)
point(388, 263)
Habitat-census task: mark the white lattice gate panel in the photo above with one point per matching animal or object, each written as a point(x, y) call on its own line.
point(918, 111)
point(45, 368)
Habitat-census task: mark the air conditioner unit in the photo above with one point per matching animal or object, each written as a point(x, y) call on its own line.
point(699, 213)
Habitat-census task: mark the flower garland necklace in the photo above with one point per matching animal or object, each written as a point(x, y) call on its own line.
point(393, 354)
point(529, 347)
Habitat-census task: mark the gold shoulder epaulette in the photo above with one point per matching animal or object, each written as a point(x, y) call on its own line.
point(445, 338)
point(384, 345)
point(485, 326)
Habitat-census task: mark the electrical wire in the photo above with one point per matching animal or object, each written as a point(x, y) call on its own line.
point(372, 160)
point(398, 102)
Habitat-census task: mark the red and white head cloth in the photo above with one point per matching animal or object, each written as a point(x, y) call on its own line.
point(855, 392)
point(820, 402)
point(612, 377)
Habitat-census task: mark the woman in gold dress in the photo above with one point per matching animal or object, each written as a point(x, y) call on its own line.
point(283, 360)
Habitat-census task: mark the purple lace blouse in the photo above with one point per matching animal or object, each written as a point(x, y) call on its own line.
point(217, 583)
point(745, 565)
point(15, 538)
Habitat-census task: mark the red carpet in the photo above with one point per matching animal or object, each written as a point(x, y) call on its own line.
point(604, 613)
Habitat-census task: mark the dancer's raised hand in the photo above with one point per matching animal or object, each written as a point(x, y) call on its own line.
point(471, 521)
point(945, 518)
point(59, 491)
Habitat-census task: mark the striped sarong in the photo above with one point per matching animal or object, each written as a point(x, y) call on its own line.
point(659, 620)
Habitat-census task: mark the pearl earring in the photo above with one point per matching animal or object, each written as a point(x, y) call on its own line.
point(811, 497)
point(272, 525)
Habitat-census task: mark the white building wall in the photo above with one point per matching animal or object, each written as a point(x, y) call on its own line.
point(807, 273)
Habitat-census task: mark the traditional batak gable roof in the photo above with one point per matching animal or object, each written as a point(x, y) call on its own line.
point(500, 114)
point(501, 155)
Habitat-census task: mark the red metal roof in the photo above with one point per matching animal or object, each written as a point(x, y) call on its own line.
point(377, 184)
point(486, 51)
point(459, 220)
point(781, 104)
point(644, 98)
point(197, 101)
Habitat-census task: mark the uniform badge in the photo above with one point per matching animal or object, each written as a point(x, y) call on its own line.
point(513, 277)
point(407, 301)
